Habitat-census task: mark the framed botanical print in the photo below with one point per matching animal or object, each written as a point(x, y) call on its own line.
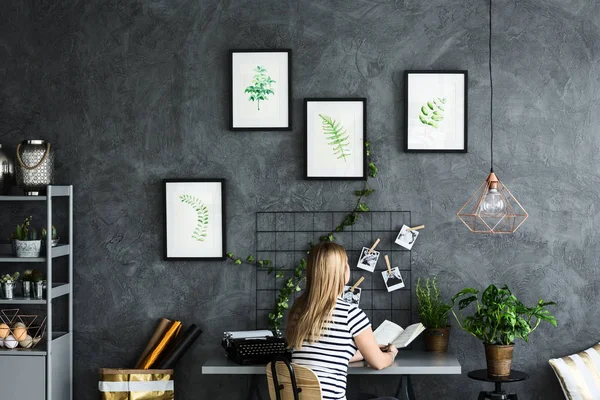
point(194, 219)
point(336, 132)
point(436, 111)
point(261, 90)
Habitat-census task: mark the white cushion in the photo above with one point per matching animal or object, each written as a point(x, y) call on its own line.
point(579, 374)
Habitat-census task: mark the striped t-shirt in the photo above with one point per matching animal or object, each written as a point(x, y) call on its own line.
point(329, 357)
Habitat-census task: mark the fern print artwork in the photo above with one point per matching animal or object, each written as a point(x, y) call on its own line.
point(433, 112)
point(201, 229)
point(336, 137)
point(262, 86)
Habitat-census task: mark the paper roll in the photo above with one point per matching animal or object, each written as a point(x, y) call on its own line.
point(159, 332)
point(191, 334)
point(164, 341)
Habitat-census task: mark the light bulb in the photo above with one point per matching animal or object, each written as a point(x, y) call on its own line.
point(492, 204)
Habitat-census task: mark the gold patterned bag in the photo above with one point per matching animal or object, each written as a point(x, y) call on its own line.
point(136, 384)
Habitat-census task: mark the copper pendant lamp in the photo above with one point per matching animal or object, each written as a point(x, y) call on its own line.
point(492, 208)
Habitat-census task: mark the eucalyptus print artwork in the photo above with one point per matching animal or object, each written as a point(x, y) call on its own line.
point(194, 219)
point(432, 113)
point(262, 86)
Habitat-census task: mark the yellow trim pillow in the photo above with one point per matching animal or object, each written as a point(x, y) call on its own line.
point(579, 374)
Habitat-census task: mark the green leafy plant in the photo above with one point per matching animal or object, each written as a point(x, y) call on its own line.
point(37, 276)
point(7, 278)
point(262, 86)
point(499, 317)
point(433, 112)
point(432, 310)
point(27, 275)
point(294, 282)
point(336, 137)
point(24, 231)
point(201, 229)
point(45, 233)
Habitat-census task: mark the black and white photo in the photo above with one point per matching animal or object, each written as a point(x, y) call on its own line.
point(407, 237)
point(352, 297)
point(368, 259)
point(394, 280)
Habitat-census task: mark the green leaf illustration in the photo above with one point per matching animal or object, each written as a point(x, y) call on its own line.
point(201, 229)
point(262, 86)
point(336, 137)
point(433, 113)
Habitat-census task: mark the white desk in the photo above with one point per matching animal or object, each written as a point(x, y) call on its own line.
point(407, 363)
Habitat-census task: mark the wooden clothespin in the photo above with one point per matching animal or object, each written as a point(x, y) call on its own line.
point(362, 278)
point(374, 245)
point(416, 228)
point(387, 262)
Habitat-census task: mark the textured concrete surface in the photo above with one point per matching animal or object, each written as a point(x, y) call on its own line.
point(132, 92)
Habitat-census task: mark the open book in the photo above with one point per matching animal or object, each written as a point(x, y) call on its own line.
point(388, 332)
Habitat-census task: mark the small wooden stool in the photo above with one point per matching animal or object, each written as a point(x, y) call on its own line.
point(498, 393)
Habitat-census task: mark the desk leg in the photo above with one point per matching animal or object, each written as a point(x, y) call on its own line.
point(405, 389)
point(253, 389)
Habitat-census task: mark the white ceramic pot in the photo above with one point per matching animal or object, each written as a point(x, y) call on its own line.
point(27, 248)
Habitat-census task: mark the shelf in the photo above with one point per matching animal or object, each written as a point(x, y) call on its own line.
point(58, 290)
point(22, 198)
point(39, 350)
point(6, 254)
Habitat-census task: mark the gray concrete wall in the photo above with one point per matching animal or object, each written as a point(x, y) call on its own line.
point(134, 92)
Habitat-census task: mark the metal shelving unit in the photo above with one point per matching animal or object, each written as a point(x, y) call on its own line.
point(45, 371)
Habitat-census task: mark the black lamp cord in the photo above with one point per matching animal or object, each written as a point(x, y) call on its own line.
point(491, 97)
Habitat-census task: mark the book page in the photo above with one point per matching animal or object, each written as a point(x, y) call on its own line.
point(408, 335)
point(387, 333)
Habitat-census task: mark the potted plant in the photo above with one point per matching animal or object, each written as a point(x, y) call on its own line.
point(498, 320)
point(38, 283)
point(26, 282)
point(7, 283)
point(434, 315)
point(55, 237)
point(25, 241)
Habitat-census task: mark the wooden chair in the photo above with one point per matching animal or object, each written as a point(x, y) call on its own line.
point(289, 381)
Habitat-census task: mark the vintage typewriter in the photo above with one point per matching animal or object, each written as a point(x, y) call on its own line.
point(254, 347)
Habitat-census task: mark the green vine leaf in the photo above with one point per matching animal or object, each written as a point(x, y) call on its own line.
point(373, 170)
point(201, 229)
point(238, 261)
point(336, 136)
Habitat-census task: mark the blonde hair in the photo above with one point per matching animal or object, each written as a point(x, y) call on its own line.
point(325, 280)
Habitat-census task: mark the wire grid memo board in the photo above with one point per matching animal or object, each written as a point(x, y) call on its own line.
point(284, 238)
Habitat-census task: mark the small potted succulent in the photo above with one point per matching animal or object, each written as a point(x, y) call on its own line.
point(55, 237)
point(26, 282)
point(25, 240)
point(7, 284)
point(38, 283)
point(433, 312)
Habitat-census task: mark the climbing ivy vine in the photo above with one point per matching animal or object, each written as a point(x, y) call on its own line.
point(293, 283)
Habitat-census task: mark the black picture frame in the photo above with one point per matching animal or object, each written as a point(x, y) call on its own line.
point(165, 182)
point(306, 149)
point(289, 126)
point(407, 74)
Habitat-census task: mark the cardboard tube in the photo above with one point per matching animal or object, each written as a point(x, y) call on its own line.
point(374, 245)
point(387, 262)
point(159, 332)
point(416, 228)
point(362, 278)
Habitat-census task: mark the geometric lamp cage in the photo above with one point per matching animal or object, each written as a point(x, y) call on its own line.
point(475, 217)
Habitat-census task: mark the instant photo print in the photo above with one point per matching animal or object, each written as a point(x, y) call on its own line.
point(407, 237)
point(352, 297)
point(393, 281)
point(368, 259)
